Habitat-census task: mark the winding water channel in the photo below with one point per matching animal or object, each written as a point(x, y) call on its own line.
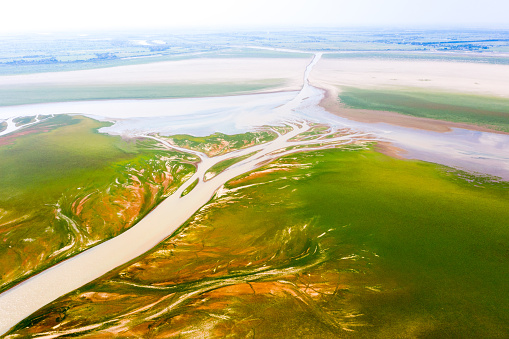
point(27, 297)
point(299, 108)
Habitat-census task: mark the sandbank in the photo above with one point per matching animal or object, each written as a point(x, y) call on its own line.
point(454, 77)
point(451, 77)
point(331, 103)
point(191, 71)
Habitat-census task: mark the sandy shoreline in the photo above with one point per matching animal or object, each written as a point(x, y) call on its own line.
point(331, 103)
point(453, 77)
point(198, 116)
point(438, 76)
point(286, 75)
point(191, 71)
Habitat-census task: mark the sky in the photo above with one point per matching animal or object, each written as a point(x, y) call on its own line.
point(68, 15)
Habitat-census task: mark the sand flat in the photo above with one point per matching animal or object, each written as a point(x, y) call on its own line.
point(456, 77)
point(201, 71)
point(331, 104)
point(449, 77)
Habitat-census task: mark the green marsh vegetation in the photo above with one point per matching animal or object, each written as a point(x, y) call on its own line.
point(223, 165)
point(190, 188)
point(65, 187)
point(220, 143)
point(335, 243)
point(472, 109)
point(19, 121)
point(3, 126)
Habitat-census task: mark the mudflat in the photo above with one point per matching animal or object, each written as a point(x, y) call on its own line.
point(332, 104)
point(456, 77)
point(198, 71)
point(434, 76)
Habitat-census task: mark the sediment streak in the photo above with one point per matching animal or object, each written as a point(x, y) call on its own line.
point(22, 300)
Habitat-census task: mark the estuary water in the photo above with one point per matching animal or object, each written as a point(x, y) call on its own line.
point(473, 151)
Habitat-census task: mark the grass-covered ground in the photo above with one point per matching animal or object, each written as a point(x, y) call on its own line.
point(337, 243)
point(223, 165)
point(64, 187)
point(478, 110)
point(220, 143)
point(31, 94)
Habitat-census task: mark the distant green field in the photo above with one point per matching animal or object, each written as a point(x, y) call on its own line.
point(478, 110)
point(20, 95)
point(330, 244)
point(142, 58)
point(420, 55)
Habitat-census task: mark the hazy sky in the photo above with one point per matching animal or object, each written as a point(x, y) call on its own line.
point(51, 15)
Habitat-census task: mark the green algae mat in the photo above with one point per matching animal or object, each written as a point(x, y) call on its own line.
point(342, 243)
point(64, 187)
point(472, 109)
